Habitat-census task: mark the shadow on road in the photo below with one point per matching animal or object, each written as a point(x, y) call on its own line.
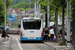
point(31, 41)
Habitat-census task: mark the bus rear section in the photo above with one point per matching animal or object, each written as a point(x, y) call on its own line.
point(31, 30)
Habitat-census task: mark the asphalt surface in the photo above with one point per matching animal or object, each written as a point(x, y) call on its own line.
point(13, 43)
point(29, 45)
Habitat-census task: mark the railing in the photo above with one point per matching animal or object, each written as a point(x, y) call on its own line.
point(11, 31)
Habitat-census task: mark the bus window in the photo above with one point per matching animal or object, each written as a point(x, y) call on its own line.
point(32, 24)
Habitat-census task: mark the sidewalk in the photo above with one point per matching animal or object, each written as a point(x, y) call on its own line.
point(57, 47)
point(4, 43)
point(1, 40)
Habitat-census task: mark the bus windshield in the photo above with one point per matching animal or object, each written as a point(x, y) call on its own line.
point(31, 24)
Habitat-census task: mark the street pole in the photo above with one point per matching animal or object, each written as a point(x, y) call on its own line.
point(19, 17)
point(28, 10)
point(35, 9)
point(68, 23)
point(39, 9)
point(9, 14)
point(30, 4)
point(48, 15)
point(28, 13)
point(5, 14)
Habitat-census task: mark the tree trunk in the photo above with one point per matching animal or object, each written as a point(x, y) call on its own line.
point(73, 25)
point(56, 24)
point(63, 32)
point(46, 17)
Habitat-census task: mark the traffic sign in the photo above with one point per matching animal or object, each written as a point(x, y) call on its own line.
point(11, 18)
point(9, 24)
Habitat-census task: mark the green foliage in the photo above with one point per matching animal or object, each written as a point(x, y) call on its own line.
point(61, 43)
point(71, 18)
point(23, 5)
point(19, 1)
point(72, 8)
point(55, 42)
point(53, 5)
point(72, 2)
point(22, 9)
point(1, 11)
point(8, 3)
point(27, 9)
point(32, 15)
point(2, 16)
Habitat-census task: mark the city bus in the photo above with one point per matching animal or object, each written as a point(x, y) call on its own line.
point(31, 29)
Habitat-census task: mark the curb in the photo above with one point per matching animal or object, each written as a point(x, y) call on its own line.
point(59, 46)
point(50, 46)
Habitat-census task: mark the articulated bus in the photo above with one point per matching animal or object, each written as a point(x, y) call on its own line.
point(31, 29)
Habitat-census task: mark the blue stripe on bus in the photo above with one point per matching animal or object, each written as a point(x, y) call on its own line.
point(37, 38)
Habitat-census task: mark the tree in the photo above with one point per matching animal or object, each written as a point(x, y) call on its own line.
point(19, 1)
point(60, 4)
point(9, 2)
point(1, 11)
point(23, 5)
point(44, 4)
point(56, 6)
point(63, 11)
point(73, 25)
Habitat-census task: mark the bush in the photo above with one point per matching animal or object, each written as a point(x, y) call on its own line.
point(61, 43)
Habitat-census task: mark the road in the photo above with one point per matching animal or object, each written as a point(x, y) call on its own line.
point(15, 44)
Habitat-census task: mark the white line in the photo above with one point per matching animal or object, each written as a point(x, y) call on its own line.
point(19, 44)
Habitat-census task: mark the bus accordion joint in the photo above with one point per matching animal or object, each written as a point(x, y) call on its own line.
point(41, 33)
point(21, 33)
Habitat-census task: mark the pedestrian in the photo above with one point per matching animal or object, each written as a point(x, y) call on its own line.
point(46, 33)
point(52, 33)
point(71, 34)
point(4, 34)
point(49, 36)
point(43, 33)
point(65, 33)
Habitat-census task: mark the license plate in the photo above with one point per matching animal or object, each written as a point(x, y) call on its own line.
point(31, 31)
point(31, 38)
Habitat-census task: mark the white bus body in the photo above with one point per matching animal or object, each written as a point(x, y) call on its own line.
point(31, 29)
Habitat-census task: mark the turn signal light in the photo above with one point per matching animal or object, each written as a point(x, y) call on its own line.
point(21, 33)
point(41, 33)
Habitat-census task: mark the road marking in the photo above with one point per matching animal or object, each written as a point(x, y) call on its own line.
point(19, 37)
point(13, 37)
point(0, 37)
point(19, 44)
